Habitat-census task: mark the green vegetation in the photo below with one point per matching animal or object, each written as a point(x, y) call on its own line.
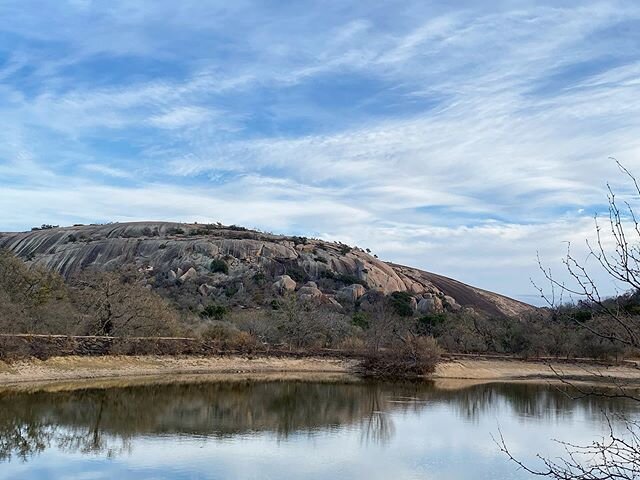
point(361, 320)
point(219, 266)
point(299, 240)
point(401, 303)
point(343, 278)
point(216, 312)
point(44, 226)
point(297, 272)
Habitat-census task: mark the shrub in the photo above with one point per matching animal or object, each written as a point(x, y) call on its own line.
point(231, 290)
point(218, 332)
point(225, 335)
point(297, 273)
point(148, 232)
point(219, 266)
point(429, 324)
point(352, 344)
point(412, 356)
point(44, 226)
point(401, 304)
point(217, 312)
point(348, 279)
point(360, 319)
point(260, 279)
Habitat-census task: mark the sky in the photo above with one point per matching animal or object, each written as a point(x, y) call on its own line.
point(459, 137)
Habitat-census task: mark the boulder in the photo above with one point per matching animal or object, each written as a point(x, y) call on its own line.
point(430, 304)
point(309, 291)
point(451, 304)
point(205, 289)
point(284, 284)
point(352, 293)
point(331, 302)
point(189, 275)
point(413, 303)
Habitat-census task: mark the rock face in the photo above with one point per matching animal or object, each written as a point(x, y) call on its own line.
point(310, 291)
point(190, 274)
point(430, 304)
point(352, 293)
point(181, 254)
point(284, 284)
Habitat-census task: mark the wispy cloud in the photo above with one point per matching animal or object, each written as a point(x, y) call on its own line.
point(459, 139)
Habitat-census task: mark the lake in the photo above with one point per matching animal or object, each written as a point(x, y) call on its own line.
point(270, 429)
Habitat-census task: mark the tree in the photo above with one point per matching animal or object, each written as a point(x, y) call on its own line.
point(617, 251)
point(115, 304)
point(33, 300)
point(297, 321)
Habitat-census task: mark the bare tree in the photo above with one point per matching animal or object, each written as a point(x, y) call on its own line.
point(32, 300)
point(114, 304)
point(298, 322)
point(616, 250)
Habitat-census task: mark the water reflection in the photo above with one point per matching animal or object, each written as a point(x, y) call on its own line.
point(105, 421)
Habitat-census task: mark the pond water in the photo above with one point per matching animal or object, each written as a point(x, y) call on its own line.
point(250, 429)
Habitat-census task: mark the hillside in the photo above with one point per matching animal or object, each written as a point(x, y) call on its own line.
point(244, 267)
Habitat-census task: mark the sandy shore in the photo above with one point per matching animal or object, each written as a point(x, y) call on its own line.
point(61, 369)
point(72, 369)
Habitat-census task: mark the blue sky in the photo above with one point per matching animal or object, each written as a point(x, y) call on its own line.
point(460, 138)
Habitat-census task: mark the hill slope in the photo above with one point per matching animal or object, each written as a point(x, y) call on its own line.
point(239, 265)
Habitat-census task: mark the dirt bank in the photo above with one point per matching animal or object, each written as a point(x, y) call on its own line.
point(71, 369)
point(76, 368)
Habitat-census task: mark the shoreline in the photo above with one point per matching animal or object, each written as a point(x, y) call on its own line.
point(85, 371)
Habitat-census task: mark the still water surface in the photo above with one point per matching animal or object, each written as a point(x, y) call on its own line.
point(289, 429)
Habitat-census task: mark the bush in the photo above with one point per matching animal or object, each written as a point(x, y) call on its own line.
point(360, 319)
point(218, 332)
point(44, 226)
point(411, 357)
point(429, 324)
point(219, 266)
point(217, 312)
point(401, 304)
point(297, 272)
point(226, 335)
point(260, 279)
point(344, 249)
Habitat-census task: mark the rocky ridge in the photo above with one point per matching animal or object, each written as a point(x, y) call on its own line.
point(219, 261)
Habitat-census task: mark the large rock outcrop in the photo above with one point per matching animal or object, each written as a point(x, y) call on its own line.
point(187, 253)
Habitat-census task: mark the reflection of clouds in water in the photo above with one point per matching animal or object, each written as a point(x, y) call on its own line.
point(257, 429)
